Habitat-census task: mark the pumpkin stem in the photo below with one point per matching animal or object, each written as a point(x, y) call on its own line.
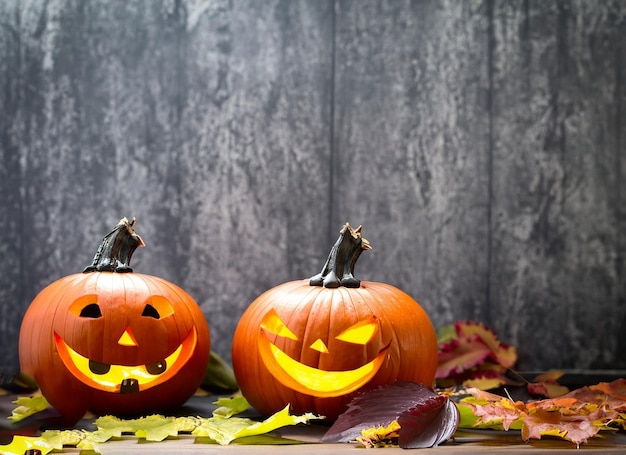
point(116, 249)
point(339, 267)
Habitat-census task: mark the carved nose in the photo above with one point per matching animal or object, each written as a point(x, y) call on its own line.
point(319, 345)
point(127, 338)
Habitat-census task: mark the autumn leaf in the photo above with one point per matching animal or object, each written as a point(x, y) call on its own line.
point(226, 430)
point(485, 380)
point(547, 385)
point(546, 389)
point(501, 353)
point(219, 376)
point(615, 389)
point(49, 441)
point(471, 355)
point(60, 438)
point(20, 444)
point(491, 410)
point(460, 355)
point(231, 406)
point(150, 428)
point(27, 406)
point(222, 429)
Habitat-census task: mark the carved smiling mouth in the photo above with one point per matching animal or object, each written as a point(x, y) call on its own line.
point(125, 378)
point(313, 381)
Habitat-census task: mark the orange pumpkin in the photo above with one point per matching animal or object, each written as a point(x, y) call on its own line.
point(315, 343)
point(113, 341)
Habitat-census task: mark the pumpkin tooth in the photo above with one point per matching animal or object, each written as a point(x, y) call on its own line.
point(129, 385)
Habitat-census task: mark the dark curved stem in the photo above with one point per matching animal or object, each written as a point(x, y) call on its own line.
point(116, 249)
point(339, 267)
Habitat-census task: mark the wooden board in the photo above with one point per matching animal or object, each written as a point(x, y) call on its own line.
point(480, 143)
point(558, 199)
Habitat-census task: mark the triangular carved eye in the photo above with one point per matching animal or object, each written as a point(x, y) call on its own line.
point(91, 311)
point(272, 323)
point(361, 332)
point(151, 312)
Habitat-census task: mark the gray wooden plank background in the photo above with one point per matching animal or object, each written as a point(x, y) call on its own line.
point(480, 143)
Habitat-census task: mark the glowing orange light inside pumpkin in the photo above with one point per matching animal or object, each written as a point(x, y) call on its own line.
point(315, 381)
point(127, 338)
point(109, 380)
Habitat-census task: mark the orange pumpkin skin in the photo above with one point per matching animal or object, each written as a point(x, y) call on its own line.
point(120, 325)
point(277, 358)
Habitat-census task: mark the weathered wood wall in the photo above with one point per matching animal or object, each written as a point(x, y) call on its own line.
point(480, 143)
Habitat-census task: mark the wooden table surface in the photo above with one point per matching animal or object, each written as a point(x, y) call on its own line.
point(464, 442)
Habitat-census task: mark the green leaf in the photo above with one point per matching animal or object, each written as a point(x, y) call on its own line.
point(217, 429)
point(231, 406)
point(27, 406)
point(280, 419)
point(59, 438)
point(467, 418)
point(446, 333)
point(225, 430)
point(222, 430)
point(151, 428)
point(219, 376)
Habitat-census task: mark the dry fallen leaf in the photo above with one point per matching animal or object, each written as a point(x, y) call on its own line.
point(471, 355)
point(575, 416)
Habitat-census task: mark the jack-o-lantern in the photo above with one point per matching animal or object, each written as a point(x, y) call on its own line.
point(315, 343)
point(113, 341)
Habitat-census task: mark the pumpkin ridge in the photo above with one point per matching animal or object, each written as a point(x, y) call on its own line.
point(420, 313)
point(360, 316)
point(371, 288)
point(65, 285)
point(158, 284)
point(312, 325)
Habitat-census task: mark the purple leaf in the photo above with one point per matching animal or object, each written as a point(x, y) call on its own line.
point(426, 418)
point(429, 429)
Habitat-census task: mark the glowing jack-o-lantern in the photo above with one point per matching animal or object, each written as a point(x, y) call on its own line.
point(315, 343)
point(114, 341)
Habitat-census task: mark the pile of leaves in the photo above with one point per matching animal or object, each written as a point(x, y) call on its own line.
point(471, 355)
point(575, 416)
point(222, 428)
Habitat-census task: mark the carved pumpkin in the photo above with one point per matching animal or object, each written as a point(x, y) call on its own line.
point(113, 341)
point(315, 343)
